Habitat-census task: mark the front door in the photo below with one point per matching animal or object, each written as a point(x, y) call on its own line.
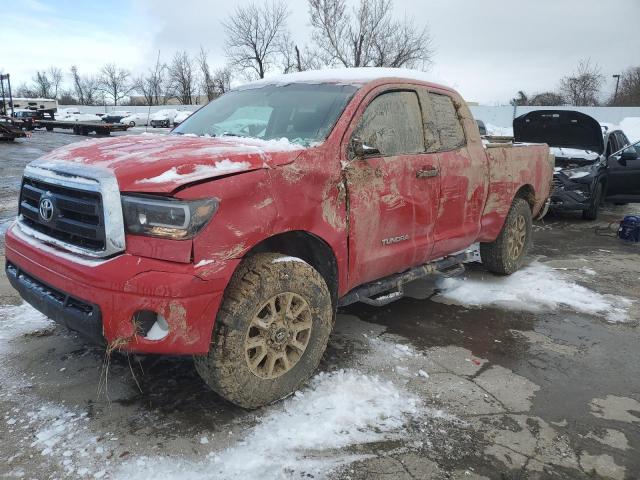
point(393, 194)
point(624, 177)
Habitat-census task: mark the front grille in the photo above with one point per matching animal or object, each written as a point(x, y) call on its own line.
point(77, 216)
point(557, 183)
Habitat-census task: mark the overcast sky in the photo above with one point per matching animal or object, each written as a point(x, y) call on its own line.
point(487, 49)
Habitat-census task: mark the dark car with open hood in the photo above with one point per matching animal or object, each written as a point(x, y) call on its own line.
point(592, 163)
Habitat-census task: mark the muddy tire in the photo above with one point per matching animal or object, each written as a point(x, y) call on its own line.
point(591, 213)
point(271, 331)
point(506, 254)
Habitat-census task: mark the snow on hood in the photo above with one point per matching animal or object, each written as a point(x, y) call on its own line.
point(560, 128)
point(560, 152)
point(162, 163)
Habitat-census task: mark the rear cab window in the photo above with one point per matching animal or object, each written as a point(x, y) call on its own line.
point(448, 129)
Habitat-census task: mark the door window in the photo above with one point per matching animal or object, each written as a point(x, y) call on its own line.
point(392, 123)
point(447, 121)
point(622, 140)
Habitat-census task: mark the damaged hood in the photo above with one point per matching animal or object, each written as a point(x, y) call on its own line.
point(560, 128)
point(162, 163)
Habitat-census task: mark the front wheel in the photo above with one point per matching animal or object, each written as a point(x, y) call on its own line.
point(591, 213)
point(270, 333)
point(506, 254)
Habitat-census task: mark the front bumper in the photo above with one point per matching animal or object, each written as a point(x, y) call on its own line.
point(99, 298)
point(568, 195)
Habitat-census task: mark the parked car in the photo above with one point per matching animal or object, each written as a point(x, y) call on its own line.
point(181, 116)
point(586, 171)
point(239, 250)
point(27, 117)
point(115, 116)
point(163, 118)
point(139, 119)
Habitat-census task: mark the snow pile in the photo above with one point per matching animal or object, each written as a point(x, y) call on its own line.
point(61, 435)
point(189, 173)
point(496, 131)
point(631, 127)
point(536, 288)
point(4, 226)
point(300, 435)
point(16, 321)
point(273, 145)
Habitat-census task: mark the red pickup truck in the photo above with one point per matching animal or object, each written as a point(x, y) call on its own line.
point(236, 238)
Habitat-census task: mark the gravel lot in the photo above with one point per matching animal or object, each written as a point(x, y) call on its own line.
point(534, 376)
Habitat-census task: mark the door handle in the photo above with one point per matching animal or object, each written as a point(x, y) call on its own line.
point(427, 172)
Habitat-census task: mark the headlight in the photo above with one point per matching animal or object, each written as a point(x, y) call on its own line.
point(166, 217)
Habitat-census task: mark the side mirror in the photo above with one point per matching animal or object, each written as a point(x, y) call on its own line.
point(629, 154)
point(360, 149)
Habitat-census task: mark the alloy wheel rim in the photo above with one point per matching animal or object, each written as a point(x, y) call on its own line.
point(278, 335)
point(517, 237)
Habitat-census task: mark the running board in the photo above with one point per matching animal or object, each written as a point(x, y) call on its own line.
point(389, 289)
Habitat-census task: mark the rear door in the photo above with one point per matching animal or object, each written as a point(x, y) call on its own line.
point(392, 195)
point(463, 173)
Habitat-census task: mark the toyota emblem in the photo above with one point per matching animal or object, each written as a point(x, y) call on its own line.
point(46, 209)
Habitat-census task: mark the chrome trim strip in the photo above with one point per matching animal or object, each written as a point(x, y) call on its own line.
point(82, 177)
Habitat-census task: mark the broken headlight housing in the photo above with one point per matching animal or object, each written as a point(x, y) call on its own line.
point(166, 217)
point(578, 173)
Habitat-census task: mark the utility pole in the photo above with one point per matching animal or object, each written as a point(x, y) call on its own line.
point(615, 95)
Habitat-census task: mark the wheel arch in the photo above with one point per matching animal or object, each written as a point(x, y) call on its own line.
point(310, 248)
point(527, 193)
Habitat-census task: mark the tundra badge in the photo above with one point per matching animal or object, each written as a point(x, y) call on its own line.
point(391, 240)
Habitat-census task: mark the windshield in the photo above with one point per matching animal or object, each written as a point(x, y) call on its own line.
point(302, 113)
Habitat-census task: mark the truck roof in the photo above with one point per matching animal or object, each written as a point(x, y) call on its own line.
point(350, 76)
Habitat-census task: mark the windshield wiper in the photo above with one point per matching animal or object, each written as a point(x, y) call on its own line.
point(231, 134)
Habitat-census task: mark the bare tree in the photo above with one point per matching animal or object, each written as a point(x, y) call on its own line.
point(182, 78)
point(206, 78)
point(583, 87)
point(222, 80)
point(629, 89)
point(42, 84)
point(521, 99)
point(253, 34)
point(115, 82)
point(546, 99)
point(152, 84)
point(85, 87)
point(68, 98)
point(295, 59)
point(368, 35)
point(27, 91)
point(55, 75)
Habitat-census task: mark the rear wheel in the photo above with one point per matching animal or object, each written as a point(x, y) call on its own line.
point(506, 254)
point(132, 123)
point(591, 213)
point(271, 331)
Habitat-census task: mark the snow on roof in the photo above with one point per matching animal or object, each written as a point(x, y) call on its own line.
point(351, 76)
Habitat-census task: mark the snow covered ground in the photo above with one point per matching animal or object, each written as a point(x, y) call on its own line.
point(535, 288)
